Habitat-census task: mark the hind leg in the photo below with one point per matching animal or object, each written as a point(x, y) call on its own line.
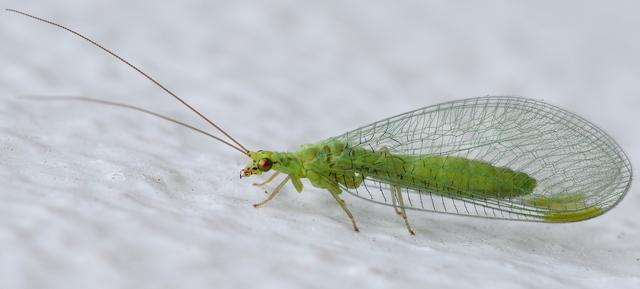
point(397, 195)
point(393, 199)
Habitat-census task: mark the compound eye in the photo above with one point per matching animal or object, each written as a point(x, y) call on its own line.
point(264, 164)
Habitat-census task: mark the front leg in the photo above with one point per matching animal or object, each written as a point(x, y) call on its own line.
point(267, 181)
point(274, 193)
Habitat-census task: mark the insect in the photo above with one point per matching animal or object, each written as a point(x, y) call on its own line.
point(494, 157)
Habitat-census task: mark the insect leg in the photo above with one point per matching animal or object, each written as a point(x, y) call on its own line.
point(274, 193)
point(398, 195)
point(346, 210)
point(267, 181)
point(393, 199)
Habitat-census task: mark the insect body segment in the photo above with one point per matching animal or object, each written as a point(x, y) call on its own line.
point(449, 175)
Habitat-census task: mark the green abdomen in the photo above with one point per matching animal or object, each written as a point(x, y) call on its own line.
point(446, 175)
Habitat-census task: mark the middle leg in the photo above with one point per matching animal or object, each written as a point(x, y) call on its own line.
point(346, 210)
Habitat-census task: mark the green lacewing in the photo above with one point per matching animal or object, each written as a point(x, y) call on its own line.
point(494, 157)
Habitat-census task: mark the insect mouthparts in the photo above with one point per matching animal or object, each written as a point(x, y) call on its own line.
point(245, 173)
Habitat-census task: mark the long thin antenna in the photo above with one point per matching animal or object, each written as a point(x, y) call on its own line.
point(245, 150)
point(123, 105)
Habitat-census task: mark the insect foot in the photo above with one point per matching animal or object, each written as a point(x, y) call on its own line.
point(411, 232)
point(355, 227)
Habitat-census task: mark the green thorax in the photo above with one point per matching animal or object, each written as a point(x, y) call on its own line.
point(307, 156)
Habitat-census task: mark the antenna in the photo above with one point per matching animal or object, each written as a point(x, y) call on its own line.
point(128, 106)
point(241, 147)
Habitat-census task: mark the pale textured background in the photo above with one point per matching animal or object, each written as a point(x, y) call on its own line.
point(95, 197)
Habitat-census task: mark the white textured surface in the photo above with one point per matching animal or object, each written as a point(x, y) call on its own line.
point(95, 197)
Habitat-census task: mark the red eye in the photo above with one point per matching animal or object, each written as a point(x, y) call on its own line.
point(264, 164)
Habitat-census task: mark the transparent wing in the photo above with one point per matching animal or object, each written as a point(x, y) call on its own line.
point(566, 154)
